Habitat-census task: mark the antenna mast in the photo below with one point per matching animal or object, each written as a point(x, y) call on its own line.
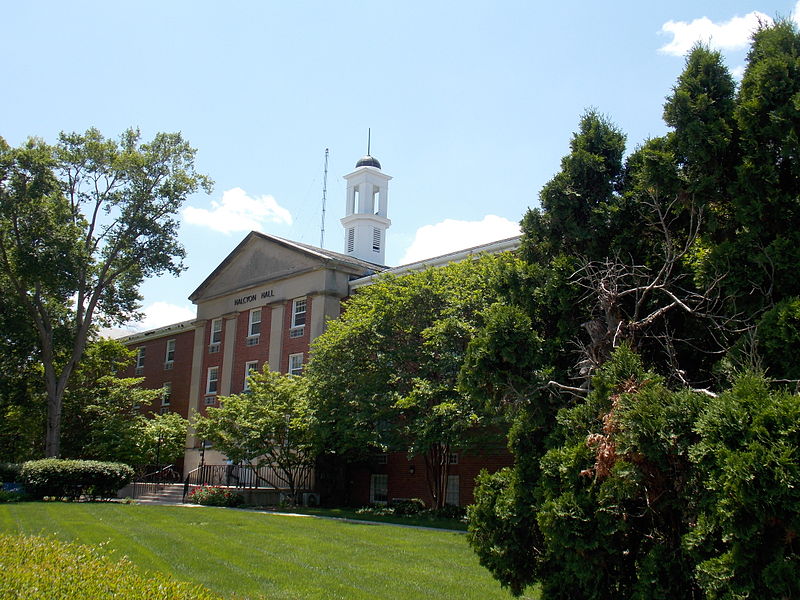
point(324, 199)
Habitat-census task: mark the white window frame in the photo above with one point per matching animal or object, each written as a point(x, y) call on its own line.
point(141, 352)
point(249, 367)
point(297, 314)
point(379, 488)
point(215, 337)
point(166, 393)
point(215, 380)
point(452, 494)
point(252, 323)
point(169, 356)
point(292, 367)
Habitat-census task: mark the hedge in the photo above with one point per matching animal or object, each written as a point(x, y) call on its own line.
point(9, 472)
point(71, 479)
point(40, 568)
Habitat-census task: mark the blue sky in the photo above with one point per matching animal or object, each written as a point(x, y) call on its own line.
point(471, 104)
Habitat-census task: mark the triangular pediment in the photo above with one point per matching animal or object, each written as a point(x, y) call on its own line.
point(258, 259)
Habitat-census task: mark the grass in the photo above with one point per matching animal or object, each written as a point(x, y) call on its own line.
point(423, 520)
point(250, 555)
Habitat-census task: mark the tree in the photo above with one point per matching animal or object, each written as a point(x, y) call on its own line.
point(269, 425)
point(696, 245)
point(745, 542)
point(577, 204)
point(102, 418)
point(384, 376)
point(82, 224)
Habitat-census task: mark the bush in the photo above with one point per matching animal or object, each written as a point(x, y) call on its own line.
point(71, 479)
point(9, 472)
point(414, 506)
point(10, 496)
point(38, 568)
point(449, 511)
point(209, 495)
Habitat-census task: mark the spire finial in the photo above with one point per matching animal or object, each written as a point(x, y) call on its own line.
point(369, 139)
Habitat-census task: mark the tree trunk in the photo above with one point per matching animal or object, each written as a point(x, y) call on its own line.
point(53, 438)
point(437, 469)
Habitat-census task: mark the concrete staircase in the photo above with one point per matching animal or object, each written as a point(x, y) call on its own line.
point(162, 493)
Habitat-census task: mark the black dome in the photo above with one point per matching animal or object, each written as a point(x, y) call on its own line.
point(368, 161)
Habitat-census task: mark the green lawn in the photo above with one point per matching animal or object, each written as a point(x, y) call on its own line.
point(423, 520)
point(244, 553)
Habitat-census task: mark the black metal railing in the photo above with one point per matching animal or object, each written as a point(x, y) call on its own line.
point(150, 480)
point(244, 477)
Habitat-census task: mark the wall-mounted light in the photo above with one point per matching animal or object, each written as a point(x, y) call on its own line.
point(412, 469)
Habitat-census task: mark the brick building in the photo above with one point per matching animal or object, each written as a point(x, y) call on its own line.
point(263, 305)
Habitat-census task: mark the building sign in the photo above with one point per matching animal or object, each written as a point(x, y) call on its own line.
point(253, 297)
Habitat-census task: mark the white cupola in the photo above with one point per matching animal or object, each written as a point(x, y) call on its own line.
point(365, 221)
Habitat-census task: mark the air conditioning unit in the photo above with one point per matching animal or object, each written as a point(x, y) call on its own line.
point(310, 499)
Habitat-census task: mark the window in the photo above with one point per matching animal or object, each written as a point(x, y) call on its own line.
point(452, 459)
point(249, 368)
point(296, 364)
point(382, 459)
point(164, 410)
point(254, 328)
point(216, 335)
point(351, 239)
point(166, 393)
point(379, 488)
point(169, 359)
point(140, 352)
point(356, 199)
point(210, 400)
point(212, 383)
point(451, 495)
point(376, 201)
point(298, 312)
point(376, 239)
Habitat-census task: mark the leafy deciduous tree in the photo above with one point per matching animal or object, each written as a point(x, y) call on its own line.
point(269, 425)
point(384, 376)
point(81, 225)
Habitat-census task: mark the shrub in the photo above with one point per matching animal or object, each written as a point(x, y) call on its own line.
point(71, 479)
point(9, 472)
point(413, 506)
point(449, 511)
point(209, 495)
point(10, 496)
point(380, 510)
point(38, 568)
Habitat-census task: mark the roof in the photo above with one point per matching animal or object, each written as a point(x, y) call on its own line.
point(312, 251)
point(503, 245)
point(157, 333)
point(368, 161)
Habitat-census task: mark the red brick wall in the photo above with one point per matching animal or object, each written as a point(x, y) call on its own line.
point(403, 484)
point(299, 344)
point(155, 375)
point(210, 359)
point(242, 353)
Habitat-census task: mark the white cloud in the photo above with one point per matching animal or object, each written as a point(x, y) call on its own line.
point(451, 235)
point(729, 35)
point(238, 212)
point(796, 13)
point(738, 72)
point(157, 314)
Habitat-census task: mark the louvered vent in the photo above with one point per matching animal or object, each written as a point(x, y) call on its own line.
point(376, 239)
